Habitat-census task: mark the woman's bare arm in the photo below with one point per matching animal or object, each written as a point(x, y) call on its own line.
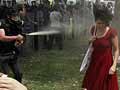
point(115, 53)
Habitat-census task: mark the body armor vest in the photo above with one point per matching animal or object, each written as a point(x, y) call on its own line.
point(11, 28)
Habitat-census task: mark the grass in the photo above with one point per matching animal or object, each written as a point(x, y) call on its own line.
point(55, 70)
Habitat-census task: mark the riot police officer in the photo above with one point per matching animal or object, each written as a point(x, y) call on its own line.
point(10, 38)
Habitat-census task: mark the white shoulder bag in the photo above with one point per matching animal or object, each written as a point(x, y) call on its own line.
point(87, 58)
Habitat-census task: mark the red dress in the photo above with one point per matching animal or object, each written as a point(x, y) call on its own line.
point(97, 76)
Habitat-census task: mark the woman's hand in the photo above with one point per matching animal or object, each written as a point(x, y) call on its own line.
point(7, 83)
point(112, 70)
point(93, 38)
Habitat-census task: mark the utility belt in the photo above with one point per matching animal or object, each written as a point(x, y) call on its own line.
point(7, 56)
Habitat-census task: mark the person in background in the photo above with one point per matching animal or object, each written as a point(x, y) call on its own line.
point(10, 38)
point(21, 11)
point(111, 7)
point(101, 73)
point(56, 24)
point(46, 20)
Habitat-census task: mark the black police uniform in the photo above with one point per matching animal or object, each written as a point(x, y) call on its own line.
point(8, 51)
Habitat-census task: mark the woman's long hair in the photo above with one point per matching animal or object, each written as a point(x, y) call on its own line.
point(102, 13)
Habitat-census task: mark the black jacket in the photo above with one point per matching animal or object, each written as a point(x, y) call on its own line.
point(11, 28)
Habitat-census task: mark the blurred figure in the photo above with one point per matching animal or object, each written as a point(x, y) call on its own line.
point(46, 12)
point(46, 20)
point(3, 9)
point(33, 12)
point(21, 10)
point(55, 24)
point(111, 7)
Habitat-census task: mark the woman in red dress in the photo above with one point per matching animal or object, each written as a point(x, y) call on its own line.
point(101, 73)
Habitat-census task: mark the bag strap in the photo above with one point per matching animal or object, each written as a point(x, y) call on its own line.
point(94, 31)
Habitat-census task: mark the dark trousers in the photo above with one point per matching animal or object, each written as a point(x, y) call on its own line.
point(14, 65)
point(58, 38)
point(45, 43)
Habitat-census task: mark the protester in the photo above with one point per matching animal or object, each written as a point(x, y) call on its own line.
point(101, 73)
